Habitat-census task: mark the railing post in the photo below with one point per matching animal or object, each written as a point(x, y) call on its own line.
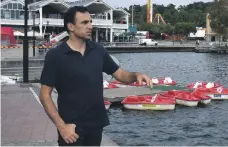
point(25, 45)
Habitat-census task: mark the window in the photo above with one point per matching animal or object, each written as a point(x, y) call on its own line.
point(10, 6)
point(7, 14)
point(19, 6)
point(12, 14)
point(17, 14)
point(15, 6)
point(2, 14)
point(5, 6)
point(21, 15)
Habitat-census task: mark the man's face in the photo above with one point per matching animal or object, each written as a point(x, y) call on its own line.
point(83, 25)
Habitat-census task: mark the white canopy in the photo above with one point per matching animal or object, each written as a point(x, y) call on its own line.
point(18, 33)
point(30, 33)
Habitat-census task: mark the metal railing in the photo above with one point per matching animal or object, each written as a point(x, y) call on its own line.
point(122, 26)
point(19, 22)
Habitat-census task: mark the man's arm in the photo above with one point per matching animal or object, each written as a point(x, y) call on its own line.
point(125, 76)
point(49, 106)
point(48, 80)
point(111, 68)
point(66, 130)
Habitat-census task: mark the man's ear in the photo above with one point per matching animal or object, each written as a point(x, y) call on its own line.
point(70, 26)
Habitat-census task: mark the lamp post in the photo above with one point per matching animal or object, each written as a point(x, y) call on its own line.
point(132, 10)
point(34, 33)
point(173, 34)
point(25, 45)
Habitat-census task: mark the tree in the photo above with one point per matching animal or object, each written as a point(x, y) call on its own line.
point(184, 28)
point(191, 16)
point(219, 17)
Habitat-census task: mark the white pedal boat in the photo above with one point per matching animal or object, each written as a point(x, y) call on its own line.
point(183, 98)
point(107, 85)
point(163, 81)
point(148, 102)
point(219, 93)
point(107, 104)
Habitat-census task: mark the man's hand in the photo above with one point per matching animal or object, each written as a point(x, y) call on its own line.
point(68, 133)
point(144, 78)
point(129, 77)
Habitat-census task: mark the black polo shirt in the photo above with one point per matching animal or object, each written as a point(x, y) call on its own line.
point(79, 82)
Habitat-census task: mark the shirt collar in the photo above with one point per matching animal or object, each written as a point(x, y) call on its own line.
point(89, 46)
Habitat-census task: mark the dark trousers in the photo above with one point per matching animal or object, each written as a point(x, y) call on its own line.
point(87, 137)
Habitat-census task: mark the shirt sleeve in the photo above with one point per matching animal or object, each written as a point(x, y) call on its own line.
point(109, 66)
point(48, 75)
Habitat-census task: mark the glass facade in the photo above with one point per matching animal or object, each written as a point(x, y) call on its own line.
point(13, 10)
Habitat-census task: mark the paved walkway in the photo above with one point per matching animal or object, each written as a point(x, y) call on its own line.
point(24, 121)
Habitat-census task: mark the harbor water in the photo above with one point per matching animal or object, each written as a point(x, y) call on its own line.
point(185, 126)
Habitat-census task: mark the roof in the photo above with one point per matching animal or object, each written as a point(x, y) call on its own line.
point(4, 2)
point(121, 9)
point(86, 3)
point(80, 2)
point(43, 3)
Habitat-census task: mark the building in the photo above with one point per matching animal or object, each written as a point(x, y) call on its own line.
point(199, 34)
point(46, 17)
point(211, 35)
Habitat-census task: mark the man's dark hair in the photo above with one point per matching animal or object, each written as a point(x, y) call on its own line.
point(69, 15)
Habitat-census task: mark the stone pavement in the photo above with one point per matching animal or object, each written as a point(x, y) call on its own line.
point(24, 121)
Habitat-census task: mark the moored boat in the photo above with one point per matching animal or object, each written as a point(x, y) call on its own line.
point(183, 97)
point(107, 85)
point(204, 99)
point(201, 84)
point(196, 85)
point(148, 102)
point(219, 93)
point(163, 81)
point(187, 99)
point(107, 104)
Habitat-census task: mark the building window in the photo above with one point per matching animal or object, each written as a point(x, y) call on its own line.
point(15, 6)
point(12, 14)
point(17, 14)
point(21, 15)
point(7, 14)
point(19, 6)
point(10, 6)
point(5, 6)
point(2, 14)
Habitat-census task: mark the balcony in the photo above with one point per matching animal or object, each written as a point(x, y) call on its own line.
point(120, 23)
point(53, 22)
point(120, 26)
point(19, 21)
point(100, 20)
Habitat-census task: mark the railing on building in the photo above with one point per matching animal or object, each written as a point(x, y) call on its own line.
point(19, 21)
point(79, 2)
point(98, 16)
point(53, 22)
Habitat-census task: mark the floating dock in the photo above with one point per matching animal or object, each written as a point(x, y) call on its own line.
point(211, 50)
point(140, 49)
point(118, 94)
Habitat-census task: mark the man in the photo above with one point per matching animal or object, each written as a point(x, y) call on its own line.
point(75, 69)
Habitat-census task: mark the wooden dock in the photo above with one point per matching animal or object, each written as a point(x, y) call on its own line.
point(118, 94)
